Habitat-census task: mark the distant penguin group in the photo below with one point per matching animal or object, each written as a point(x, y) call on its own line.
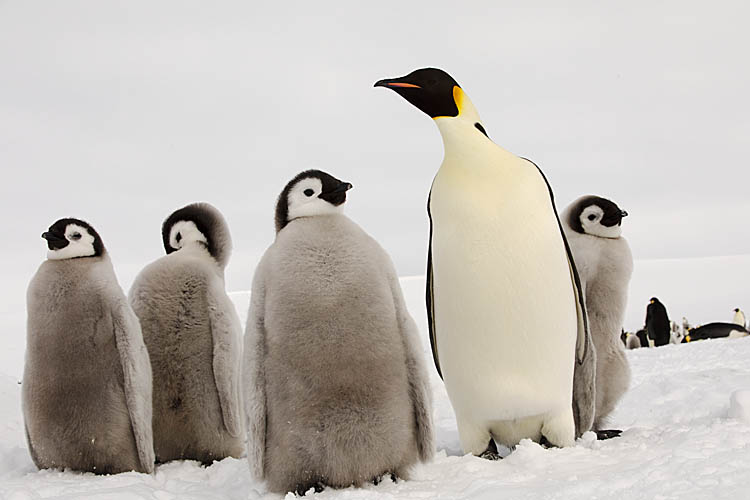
point(330, 388)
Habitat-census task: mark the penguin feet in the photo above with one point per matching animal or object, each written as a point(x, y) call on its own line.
point(607, 434)
point(491, 452)
point(301, 490)
point(377, 479)
point(544, 443)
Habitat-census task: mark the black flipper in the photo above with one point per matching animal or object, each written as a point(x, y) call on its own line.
point(584, 374)
point(429, 296)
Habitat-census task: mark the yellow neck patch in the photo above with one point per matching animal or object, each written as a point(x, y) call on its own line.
point(458, 98)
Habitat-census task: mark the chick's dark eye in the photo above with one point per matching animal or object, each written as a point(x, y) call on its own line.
point(592, 217)
point(178, 237)
point(75, 236)
point(309, 192)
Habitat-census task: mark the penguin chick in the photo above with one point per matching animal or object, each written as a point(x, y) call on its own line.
point(86, 391)
point(335, 388)
point(593, 226)
point(632, 341)
point(193, 335)
point(496, 252)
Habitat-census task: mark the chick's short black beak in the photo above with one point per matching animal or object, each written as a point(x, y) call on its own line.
point(623, 213)
point(337, 195)
point(54, 241)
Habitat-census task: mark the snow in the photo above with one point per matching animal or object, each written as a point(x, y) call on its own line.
point(686, 436)
point(739, 406)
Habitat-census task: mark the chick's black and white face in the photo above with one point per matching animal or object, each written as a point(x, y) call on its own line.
point(593, 222)
point(70, 239)
point(185, 233)
point(596, 216)
point(310, 193)
point(304, 200)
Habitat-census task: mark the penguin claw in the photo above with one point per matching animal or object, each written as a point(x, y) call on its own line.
point(491, 452)
point(490, 455)
point(601, 435)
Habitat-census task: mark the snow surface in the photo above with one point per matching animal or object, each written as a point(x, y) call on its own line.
point(678, 443)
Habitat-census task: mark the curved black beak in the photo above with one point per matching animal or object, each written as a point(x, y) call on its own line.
point(396, 83)
point(337, 195)
point(614, 219)
point(54, 241)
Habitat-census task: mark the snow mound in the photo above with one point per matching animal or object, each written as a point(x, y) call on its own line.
point(739, 405)
point(677, 443)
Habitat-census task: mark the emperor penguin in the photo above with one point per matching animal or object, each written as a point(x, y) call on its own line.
point(739, 317)
point(642, 335)
point(335, 386)
point(715, 331)
point(86, 391)
point(657, 322)
point(194, 336)
point(497, 253)
point(593, 226)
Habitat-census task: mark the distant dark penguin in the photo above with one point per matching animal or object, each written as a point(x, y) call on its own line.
point(657, 323)
point(715, 331)
point(642, 335)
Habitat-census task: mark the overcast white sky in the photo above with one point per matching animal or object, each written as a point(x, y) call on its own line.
point(120, 112)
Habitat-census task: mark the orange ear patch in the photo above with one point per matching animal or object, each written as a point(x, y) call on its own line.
point(458, 97)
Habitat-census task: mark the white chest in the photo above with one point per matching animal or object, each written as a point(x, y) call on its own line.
point(505, 312)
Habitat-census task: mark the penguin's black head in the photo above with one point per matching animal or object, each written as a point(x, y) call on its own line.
point(596, 216)
point(430, 89)
point(653, 300)
point(72, 238)
point(198, 224)
point(310, 193)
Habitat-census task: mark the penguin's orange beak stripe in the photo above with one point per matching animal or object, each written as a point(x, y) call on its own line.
point(404, 85)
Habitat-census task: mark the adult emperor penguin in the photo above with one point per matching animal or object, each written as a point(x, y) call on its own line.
point(193, 335)
point(739, 317)
point(86, 391)
point(593, 226)
point(657, 322)
point(335, 387)
point(715, 331)
point(497, 255)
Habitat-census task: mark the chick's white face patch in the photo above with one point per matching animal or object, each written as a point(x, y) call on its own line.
point(184, 233)
point(303, 200)
point(80, 244)
point(591, 218)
